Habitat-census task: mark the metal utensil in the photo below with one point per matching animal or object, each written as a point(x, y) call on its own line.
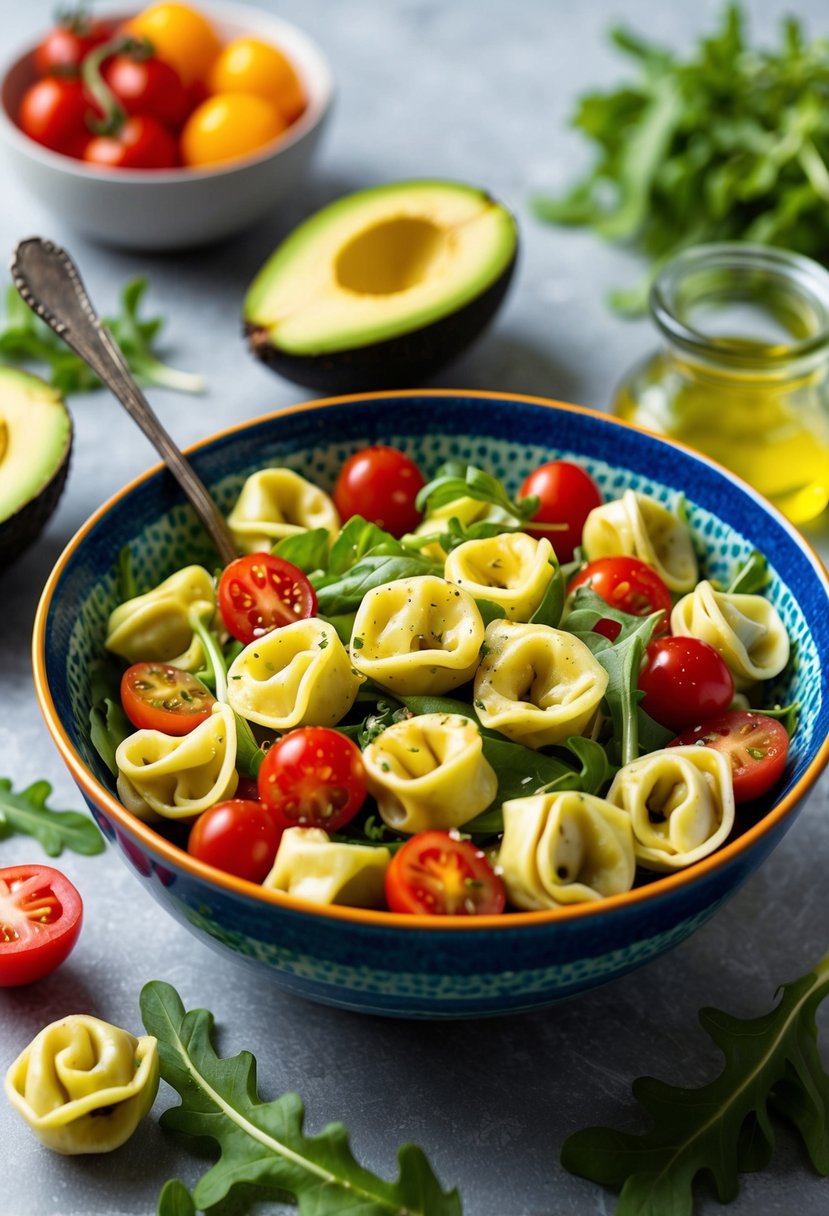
point(49, 282)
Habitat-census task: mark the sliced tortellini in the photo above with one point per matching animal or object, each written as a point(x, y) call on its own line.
point(417, 635)
point(564, 848)
point(275, 503)
point(512, 570)
point(155, 626)
point(82, 1085)
point(637, 526)
point(310, 865)
point(429, 772)
point(681, 804)
point(745, 629)
point(299, 675)
point(537, 685)
point(179, 777)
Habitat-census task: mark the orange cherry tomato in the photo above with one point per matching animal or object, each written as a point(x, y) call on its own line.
point(181, 36)
point(248, 65)
point(229, 126)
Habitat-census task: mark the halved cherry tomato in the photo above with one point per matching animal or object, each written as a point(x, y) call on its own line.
point(568, 494)
point(40, 919)
point(180, 35)
point(380, 483)
point(238, 836)
point(685, 681)
point(629, 584)
point(148, 86)
point(141, 143)
point(313, 777)
point(260, 592)
point(53, 112)
point(158, 696)
point(755, 744)
point(64, 47)
point(437, 874)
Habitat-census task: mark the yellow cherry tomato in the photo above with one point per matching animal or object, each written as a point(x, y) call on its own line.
point(248, 65)
point(228, 126)
point(181, 36)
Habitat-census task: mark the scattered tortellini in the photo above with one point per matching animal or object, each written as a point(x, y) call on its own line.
point(83, 1085)
point(512, 570)
point(637, 526)
point(745, 629)
point(310, 865)
point(275, 503)
point(155, 626)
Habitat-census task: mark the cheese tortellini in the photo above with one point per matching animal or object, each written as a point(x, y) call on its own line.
point(537, 685)
point(82, 1085)
point(637, 526)
point(745, 629)
point(681, 804)
point(429, 772)
point(275, 503)
point(299, 675)
point(155, 626)
point(417, 635)
point(564, 848)
point(512, 570)
point(310, 865)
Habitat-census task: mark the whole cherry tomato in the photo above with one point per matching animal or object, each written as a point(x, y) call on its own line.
point(685, 681)
point(229, 126)
point(437, 874)
point(181, 36)
point(260, 592)
point(249, 65)
point(756, 745)
point(40, 919)
point(238, 836)
point(141, 143)
point(158, 696)
point(53, 112)
point(380, 483)
point(629, 584)
point(567, 495)
point(313, 777)
point(148, 86)
point(65, 46)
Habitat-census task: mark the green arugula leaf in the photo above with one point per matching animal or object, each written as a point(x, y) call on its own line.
point(249, 755)
point(263, 1142)
point(751, 577)
point(27, 812)
point(175, 1200)
point(344, 593)
point(308, 550)
point(108, 724)
point(551, 607)
point(455, 480)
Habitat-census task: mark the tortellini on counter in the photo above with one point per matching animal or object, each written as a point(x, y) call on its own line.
point(417, 635)
point(155, 626)
point(311, 866)
point(178, 777)
point(512, 570)
point(82, 1085)
point(564, 848)
point(275, 503)
point(681, 804)
point(429, 772)
point(537, 685)
point(299, 675)
point(745, 629)
point(637, 526)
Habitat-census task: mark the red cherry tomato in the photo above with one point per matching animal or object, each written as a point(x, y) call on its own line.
point(141, 143)
point(757, 747)
point(684, 681)
point(53, 112)
point(65, 46)
point(437, 874)
point(158, 696)
point(147, 86)
point(381, 484)
point(629, 584)
point(313, 777)
point(238, 836)
point(40, 919)
point(260, 592)
point(567, 495)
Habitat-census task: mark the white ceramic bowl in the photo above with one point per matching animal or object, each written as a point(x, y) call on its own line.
point(178, 208)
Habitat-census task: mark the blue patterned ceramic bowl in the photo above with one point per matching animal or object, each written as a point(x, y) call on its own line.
point(411, 966)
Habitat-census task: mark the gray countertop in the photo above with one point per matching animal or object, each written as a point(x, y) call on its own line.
point(481, 91)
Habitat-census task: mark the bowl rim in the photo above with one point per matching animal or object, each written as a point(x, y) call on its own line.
point(257, 21)
point(660, 887)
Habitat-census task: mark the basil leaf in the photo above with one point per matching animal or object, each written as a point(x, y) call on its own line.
point(307, 550)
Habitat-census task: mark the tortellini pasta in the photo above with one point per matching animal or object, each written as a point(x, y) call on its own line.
point(417, 635)
point(681, 804)
point(82, 1085)
point(637, 526)
point(299, 675)
point(155, 626)
point(467, 511)
point(179, 777)
point(310, 865)
point(429, 772)
point(537, 685)
point(745, 629)
point(275, 503)
point(512, 570)
point(564, 848)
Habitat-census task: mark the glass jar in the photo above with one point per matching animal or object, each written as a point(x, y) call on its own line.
point(743, 374)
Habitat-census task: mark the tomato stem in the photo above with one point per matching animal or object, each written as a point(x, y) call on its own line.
point(114, 116)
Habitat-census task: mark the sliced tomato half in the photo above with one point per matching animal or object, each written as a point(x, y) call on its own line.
point(40, 919)
point(756, 745)
point(438, 874)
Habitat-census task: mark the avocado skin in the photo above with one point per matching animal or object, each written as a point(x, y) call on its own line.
point(20, 530)
point(399, 362)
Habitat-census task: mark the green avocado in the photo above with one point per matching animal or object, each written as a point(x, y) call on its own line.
point(382, 287)
point(35, 443)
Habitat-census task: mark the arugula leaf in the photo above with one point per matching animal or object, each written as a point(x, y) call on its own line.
point(108, 724)
point(249, 755)
point(343, 594)
point(27, 812)
point(772, 1064)
point(751, 577)
point(455, 480)
point(308, 550)
point(263, 1142)
point(175, 1200)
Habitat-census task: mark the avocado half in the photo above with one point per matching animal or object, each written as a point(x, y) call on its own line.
point(35, 445)
point(382, 287)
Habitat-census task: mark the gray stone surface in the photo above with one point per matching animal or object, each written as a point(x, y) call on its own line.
point(477, 90)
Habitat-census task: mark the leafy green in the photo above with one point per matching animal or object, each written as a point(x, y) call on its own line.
point(249, 755)
point(729, 143)
point(108, 724)
point(455, 480)
point(751, 577)
point(308, 550)
point(175, 1200)
point(27, 812)
point(263, 1142)
point(772, 1065)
